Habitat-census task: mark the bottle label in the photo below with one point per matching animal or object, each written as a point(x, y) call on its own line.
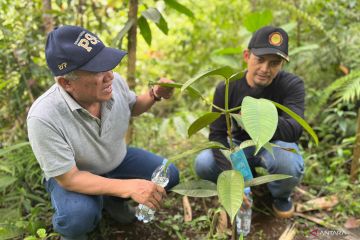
point(241, 164)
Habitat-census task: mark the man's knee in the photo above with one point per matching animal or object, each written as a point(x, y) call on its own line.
point(202, 163)
point(79, 219)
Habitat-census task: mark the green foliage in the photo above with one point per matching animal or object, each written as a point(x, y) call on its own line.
point(260, 120)
point(202, 122)
point(230, 187)
point(255, 20)
point(198, 188)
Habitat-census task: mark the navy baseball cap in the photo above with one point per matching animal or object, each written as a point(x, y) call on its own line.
point(270, 40)
point(70, 48)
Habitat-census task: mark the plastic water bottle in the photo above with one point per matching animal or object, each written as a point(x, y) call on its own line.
point(161, 178)
point(243, 216)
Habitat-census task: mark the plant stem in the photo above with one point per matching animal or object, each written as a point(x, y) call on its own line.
point(227, 114)
point(234, 109)
point(233, 230)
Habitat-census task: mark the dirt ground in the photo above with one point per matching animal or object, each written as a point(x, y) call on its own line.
point(169, 223)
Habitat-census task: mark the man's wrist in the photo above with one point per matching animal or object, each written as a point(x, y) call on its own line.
point(153, 95)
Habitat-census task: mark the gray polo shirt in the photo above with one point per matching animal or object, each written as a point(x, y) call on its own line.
point(63, 134)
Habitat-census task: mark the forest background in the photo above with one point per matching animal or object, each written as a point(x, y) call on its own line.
point(191, 36)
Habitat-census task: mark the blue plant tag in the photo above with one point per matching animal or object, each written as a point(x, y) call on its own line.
point(241, 164)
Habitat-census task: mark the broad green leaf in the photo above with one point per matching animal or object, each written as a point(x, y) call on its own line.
point(162, 25)
point(179, 7)
point(266, 179)
point(13, 147)
point(238, 120)
point(255, 20)
point(260, 119)
point(300, 120)
point(122, 33)
point(154, 15)
point(225, 72)
point(196, 149)
point(145, 30)
point(236, 76)
point(230, 187)
point(202, 122)
point(245, 144)
point(198, 188)
point(6, 181)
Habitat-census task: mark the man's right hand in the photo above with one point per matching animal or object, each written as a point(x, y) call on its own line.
point(146, 192)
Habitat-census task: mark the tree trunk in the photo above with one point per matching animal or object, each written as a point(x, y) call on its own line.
point(47, 18)
point(131, 67)
point(355, 164)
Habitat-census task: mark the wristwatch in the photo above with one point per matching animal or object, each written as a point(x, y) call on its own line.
point(152, 94)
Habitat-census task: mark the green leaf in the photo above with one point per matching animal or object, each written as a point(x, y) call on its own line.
point(41, 232)
point(9, 231)
point(154, 15)
point(198, 188)
point(119, 37)
point(145, 30)
point(13, 147)
point(225, 71)
point(255, 20)
point(162, 25)
point(266, 179)
point(260, 119)
point(236, 76)
point(199, 148)
point(301, 121)
point(180, 8)
point(230, 187)
point(245, 144)
point(31, 238)
point(269, 148)
point(6, 181)
point(202, 122)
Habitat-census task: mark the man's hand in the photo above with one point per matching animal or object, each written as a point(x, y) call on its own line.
point(146, 192)
point(164, 92)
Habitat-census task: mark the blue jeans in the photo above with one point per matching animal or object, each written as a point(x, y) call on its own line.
point(285, 162)
point(77, 214)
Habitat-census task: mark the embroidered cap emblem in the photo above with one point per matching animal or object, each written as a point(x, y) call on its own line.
point(275, 39)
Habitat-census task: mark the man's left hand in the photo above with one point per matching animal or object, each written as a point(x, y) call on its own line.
point(164, 92)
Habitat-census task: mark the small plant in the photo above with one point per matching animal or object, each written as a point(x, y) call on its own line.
point(259, 118)
point(41, 234)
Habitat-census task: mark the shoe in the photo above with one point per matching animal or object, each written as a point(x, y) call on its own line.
point(121, 211)
point(283, 207)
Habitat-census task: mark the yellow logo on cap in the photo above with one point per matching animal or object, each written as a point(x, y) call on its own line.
point(275, 39)
point(62, 65)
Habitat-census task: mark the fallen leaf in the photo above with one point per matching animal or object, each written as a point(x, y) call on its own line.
point(289, 233)
point(222, 223)
point(352, 223)
point(318, 203)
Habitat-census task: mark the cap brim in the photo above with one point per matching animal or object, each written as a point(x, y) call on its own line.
point(105, 60)
point(265, 51)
